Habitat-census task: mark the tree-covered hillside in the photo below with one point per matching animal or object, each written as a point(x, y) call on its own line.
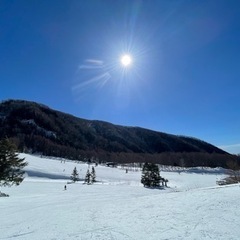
point(38, 129)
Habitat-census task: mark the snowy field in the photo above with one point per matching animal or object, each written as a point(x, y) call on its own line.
point(117, 206)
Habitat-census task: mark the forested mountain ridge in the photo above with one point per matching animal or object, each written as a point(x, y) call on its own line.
point(38, 129)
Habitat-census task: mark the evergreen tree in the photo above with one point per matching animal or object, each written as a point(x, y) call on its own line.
point(11, 166)
point(150, 175)
point(75, 176)
point(145, 180)
point(155, 176)
point(93, 175)
point(88, 177)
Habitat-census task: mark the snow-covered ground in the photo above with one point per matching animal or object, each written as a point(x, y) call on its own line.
point(117, 206)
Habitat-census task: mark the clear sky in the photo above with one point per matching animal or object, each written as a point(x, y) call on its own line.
point(184, 77)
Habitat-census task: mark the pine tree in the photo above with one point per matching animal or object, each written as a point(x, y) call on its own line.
point(150, 175)
point(93, 175)
point(155, 176)
point(88, 177)
point(145, 180)
point(75, 176)
point(11, 166)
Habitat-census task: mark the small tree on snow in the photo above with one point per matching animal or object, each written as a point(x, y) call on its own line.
point(11, 166)
point(75, 176)
point(93, 175)
point(88, 178)
point(150, 175)
point(145, 179)
point(233, 171)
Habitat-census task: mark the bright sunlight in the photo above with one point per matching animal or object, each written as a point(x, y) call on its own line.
point(126, 60)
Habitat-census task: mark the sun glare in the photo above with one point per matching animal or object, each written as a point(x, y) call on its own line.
point(126, 60)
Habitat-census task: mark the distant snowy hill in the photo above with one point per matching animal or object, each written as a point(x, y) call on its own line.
point(117, 206)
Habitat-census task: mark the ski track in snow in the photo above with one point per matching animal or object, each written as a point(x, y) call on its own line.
point(117, 207)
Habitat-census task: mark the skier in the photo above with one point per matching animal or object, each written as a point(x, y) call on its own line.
point(65, 187)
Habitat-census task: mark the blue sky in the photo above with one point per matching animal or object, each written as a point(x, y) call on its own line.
point(184, 78)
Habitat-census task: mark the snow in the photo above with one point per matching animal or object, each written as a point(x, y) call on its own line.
point(117, 206)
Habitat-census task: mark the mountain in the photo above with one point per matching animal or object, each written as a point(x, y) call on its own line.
point(37, 128)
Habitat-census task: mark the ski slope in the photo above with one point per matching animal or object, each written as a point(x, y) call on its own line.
point(117, 206)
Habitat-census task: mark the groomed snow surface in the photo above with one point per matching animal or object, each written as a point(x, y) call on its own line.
point(117, 206)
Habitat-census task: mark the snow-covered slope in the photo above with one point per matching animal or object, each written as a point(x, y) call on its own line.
point(117, 207)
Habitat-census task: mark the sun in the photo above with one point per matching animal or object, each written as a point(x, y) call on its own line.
point(126, 60)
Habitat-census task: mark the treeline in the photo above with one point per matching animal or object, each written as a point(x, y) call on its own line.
point(41, 145)
point(184, 159)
